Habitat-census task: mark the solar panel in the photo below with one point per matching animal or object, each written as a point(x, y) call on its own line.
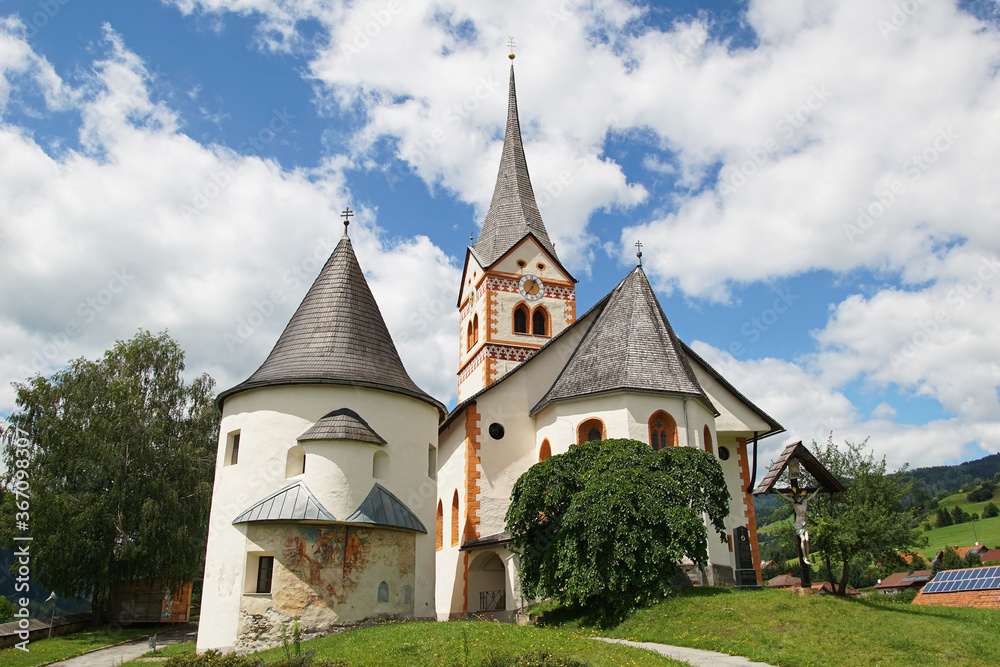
point(971, 579)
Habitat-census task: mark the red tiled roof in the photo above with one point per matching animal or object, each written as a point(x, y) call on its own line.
point(895, 580)
point(784, 581)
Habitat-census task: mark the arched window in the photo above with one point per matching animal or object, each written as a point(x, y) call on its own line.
point(380, 465)
point(591, 429)
point(475, 328)
point(468, 338)
point(545, 451)
point(521, 319)
point(383, 592)
point(295, 463)
point(662, 430)
point(540, 322)
point(708, 439)
point(454, 519)
point(440, 526)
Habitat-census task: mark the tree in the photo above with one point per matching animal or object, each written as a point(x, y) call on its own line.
point(862, 524)
point(943, 518)
point(918, 562)
point(604, 524)
point(948, 560)
point(119, 459)
point(990, 511)
point(958, 515)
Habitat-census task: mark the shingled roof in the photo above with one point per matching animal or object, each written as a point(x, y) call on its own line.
point(292, 503)
point(337, 335)
point(631, 345)
point(342, 424)
point(513, 212)
point(797, 450)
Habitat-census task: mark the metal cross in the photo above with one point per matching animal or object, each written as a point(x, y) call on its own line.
point(348, 214)
point(510, 43)
point(638, 251)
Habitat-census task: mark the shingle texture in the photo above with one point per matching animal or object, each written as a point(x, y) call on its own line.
point(798, 451)
point(382, 508)
point(292, 503)
point(631, 345)
point(513, 212)
point(343, 424)
point(337, 335)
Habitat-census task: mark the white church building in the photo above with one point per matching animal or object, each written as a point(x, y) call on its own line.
point(343, 492)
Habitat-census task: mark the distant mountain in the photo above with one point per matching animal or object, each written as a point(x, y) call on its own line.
point(943, 478)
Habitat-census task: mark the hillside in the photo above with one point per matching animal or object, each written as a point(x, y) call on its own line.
point(942, 478)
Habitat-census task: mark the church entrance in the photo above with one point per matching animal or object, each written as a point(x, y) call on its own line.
point(487, 584)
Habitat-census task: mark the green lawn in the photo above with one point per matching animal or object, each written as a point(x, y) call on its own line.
point(951, 501)
point(187, 648)
point(460, 643)
point(962, 535)
point(58, 648)
point(781, 629)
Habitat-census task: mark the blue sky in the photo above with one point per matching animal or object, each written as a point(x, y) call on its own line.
point(814, 184)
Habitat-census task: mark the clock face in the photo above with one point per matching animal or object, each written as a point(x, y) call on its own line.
point(531, 287)
point(472, 299)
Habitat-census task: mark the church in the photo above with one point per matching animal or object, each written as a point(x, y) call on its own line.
point(344, 493)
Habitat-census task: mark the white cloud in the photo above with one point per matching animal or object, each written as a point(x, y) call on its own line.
point(147, 228)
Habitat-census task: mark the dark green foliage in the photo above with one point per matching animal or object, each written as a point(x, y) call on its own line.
point(958, 515)
point(982, 493)
point(864, 523)
point(972, 560)
point(539, 659)
point(949, 560)
point(940, 480)
point(213, 658)
point(990, 511)
point(919, 563)
point(6, 610)
point(904, 596)
point(120, 468)
point(942, 518)
point(603, 524)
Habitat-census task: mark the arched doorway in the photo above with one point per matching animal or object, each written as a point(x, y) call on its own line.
point(487, 584)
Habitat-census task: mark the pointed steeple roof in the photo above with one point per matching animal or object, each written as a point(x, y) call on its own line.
point(338, 336)
point(513, 212)
point(630, 346)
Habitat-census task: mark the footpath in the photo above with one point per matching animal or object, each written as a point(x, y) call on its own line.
point(112, 656)
point(692, 656)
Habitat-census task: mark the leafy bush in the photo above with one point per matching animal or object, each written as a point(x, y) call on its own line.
point(905, 596)
point(990, 511)
point(982, 493)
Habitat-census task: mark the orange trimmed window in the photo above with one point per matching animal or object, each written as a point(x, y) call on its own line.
point(468, 337)
point(662, 430)
point(545, 451)
point(521, 319)
point(454, 519)
point(475, 328)
point(708, 439)
point(591, 429)
point(540, 321)
point(440, 526)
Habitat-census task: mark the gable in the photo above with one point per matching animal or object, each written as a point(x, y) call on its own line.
point(737, 414)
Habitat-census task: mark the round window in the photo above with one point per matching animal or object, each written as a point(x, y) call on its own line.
point(496, 431)
point(724, 453)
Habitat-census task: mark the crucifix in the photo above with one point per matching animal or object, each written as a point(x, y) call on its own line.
point(638, 251)
point(510, 43)
point(799, 498)
point(348, 214)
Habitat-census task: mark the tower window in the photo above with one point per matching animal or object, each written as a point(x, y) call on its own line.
point(708, 439)
point(440, 526)
point(475, 328)
point(233, 447)
point(540, 322)
point(265, 569)
point(521, 319)
point(590, 429)
point(662, 430)
point(454, 519)
point(545, 451)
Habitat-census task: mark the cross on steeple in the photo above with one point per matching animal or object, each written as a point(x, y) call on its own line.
point(510, 43)
point(638, 251)
point(348, 214)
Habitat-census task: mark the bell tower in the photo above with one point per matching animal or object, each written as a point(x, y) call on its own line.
point(515, 294)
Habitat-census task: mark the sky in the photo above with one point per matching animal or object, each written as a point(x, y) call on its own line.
point(814, 184)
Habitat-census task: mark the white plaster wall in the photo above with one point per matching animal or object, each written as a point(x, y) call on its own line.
point(735, 415)
point(451, 477)
point(339, 474)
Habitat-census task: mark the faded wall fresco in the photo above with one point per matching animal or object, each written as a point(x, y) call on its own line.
point(325, 576)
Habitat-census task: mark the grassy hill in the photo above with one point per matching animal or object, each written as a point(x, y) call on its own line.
point(962, 535)
point(960, 500)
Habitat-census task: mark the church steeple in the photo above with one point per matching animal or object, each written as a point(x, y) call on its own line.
point(513, 212)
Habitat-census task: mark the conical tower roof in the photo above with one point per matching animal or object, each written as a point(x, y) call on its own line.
point(513, 212)
point(337, 335)
point(631, 345)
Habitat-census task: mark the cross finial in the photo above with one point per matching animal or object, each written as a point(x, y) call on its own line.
point(510, 43)
point(348, 214)
point(638, 251)
point(472, 238)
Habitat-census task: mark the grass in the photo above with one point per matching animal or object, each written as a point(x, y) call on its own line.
point(467, 643)
point(186, 648)
point(959, 499)
point(67, 646)
point(962, 535)
point(781, 629)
